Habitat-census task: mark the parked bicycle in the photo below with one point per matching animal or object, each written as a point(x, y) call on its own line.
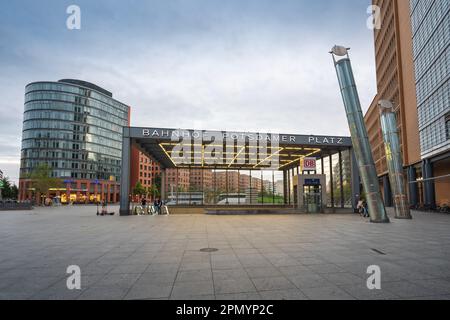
point(138, 210)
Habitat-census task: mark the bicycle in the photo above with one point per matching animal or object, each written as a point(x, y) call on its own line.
point(138, 210)
point(153, 211)
point(166, 209)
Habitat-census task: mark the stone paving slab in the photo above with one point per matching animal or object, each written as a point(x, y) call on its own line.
point(258, 257)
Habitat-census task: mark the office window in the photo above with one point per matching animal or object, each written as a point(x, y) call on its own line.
point(447, 127)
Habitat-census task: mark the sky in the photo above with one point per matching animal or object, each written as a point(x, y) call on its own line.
point(244, 65)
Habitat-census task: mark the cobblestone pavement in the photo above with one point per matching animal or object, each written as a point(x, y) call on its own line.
point(258, 257)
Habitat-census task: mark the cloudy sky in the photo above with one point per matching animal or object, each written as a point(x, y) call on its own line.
point(250, 65)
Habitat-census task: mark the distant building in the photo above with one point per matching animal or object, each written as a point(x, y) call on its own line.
point(143, 169)
point(238, 181)
point(279, 188)
point(178, 179)
point(412, 53)
point(268, 186)
point(75, 127)
point(201, 179)
point(146, 170)
point(227, 181)
point(395, 82)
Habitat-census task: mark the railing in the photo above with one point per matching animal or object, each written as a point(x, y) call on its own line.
point(4, 206)
point(149, 210)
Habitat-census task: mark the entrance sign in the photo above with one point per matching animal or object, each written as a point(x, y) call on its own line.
point(312, 182)
point(163, 134)
point(309, 164)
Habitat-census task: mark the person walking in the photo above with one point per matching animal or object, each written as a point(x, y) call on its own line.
point(365, 209)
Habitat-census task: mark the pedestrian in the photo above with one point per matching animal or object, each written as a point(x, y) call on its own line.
point(157, 204)
point(143, 204)
point(365, 209)
point(104, 208)
point(360, 207)
point(355, 208)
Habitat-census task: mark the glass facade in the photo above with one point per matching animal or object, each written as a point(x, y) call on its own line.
point(338, 180)
point(431, 51)
point(75, 127)
point(193, 186)
point(224, 187)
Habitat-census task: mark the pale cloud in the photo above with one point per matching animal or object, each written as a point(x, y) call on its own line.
point(223, 72)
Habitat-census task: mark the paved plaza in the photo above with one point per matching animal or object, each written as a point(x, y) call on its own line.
point(258, 257)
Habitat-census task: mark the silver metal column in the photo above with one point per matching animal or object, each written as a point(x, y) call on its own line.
point(359, 135)
point(330, 163)
point(413, 187)
point(387, 191)
point(125, 173)
point(394, 159)
point(428, 183)
point(322, 167)
point(355, 180)
point(239, 186)
point(273, 187)
point(341, 180)
point(176, 185)
point(163, 184)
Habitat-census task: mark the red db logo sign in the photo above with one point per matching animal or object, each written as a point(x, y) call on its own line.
point(309, 164)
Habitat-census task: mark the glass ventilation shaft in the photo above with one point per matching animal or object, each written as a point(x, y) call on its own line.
point(359, 135)
point(394, 159)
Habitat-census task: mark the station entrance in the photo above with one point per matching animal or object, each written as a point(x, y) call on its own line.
point(312, 196)
point(244, 170)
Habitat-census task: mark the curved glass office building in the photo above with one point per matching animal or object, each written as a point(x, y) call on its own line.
point(75, 127)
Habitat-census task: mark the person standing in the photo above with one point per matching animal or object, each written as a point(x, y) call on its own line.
point(157, 205)
point(144, 204)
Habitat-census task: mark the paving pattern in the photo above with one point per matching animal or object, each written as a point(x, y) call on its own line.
point(258, 257)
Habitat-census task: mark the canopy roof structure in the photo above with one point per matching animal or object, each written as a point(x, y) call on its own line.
point(231, 151)
point(189, 148)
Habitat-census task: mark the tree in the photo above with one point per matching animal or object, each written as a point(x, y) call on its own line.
point(153, 191)
point(157, 182)
point(138, 189)
point(41, 179)
point(9, 191)
point(14, 192)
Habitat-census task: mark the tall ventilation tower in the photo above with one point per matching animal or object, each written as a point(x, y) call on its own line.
point(394, 159)
point(358, 133)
